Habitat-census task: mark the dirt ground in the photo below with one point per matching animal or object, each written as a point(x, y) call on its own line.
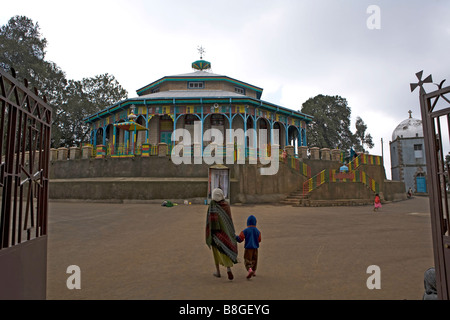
point(146, 251)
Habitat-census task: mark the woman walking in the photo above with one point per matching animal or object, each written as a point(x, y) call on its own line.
point(220, 234)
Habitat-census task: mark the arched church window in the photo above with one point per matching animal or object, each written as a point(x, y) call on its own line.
point(263, 124)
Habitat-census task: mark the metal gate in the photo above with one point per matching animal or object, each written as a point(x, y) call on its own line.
point(25, 127)
point(435, 109)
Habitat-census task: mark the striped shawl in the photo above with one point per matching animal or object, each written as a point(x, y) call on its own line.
point(220, 231)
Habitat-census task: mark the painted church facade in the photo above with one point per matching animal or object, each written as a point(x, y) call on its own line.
point(210, 100)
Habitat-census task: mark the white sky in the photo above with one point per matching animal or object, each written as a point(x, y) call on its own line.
point(293, 49)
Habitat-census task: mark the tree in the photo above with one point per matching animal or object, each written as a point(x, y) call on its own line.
point(82, 99)
point(361, 138)
point(102, 91)
point(330, 127)
point(22, 47)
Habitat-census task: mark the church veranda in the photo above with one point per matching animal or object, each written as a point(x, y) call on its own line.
point(157, 253)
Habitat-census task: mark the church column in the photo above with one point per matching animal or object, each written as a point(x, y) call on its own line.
point(146, 123)
point(271, 131)
point(286, 134)
point(203, 120)
point(245, 131)
point(94, 138)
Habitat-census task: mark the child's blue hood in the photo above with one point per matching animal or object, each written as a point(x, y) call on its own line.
point(251, 221)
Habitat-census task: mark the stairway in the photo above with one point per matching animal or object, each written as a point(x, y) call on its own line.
point(296, 199)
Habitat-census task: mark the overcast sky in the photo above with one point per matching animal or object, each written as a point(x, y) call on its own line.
point(294, 50)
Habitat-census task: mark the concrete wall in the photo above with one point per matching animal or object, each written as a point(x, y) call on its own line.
point(394, 190)
point(158, 178)
point(149, 178)
point(318, 165)
point(128, 189)
point(342, 191)
point(124, 167)
point(254, 187)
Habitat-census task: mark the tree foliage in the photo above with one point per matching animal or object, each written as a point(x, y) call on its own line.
point(362, 138)
point(330, 127)
point(22, 43)
point(22, 47)
point(84, 98)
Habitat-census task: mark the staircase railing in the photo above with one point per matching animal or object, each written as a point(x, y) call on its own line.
point(364, 158)
point(316, 181)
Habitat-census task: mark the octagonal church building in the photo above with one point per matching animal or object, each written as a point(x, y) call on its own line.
point(192, 101)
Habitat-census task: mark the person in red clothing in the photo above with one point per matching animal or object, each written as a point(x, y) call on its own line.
point(252, 237)
point(377, 203)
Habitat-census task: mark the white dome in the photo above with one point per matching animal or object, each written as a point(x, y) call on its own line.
point(409, 128)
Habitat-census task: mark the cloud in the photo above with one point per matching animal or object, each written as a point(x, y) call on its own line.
point(293, 49)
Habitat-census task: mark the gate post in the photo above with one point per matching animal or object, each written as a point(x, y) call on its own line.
point(436, 178)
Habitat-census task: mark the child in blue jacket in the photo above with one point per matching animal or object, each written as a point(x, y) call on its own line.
point(252, 237)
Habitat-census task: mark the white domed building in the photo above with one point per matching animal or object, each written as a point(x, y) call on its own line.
point(408, 163)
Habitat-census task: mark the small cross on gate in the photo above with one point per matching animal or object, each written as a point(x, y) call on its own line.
point(421, 82)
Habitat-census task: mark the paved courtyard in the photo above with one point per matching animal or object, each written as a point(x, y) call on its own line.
point(146, 251)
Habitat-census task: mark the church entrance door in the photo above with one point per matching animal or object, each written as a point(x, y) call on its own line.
point(421, 184)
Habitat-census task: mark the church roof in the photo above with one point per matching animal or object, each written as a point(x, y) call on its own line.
point(152, 94)
point(192, 94)
point(409, 128)
point(198, 74)
point(195, 76)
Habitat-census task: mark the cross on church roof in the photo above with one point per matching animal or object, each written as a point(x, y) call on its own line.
point(201, 50)
point(201, 64)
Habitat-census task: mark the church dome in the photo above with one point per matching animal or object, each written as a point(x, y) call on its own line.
point(409, 128)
